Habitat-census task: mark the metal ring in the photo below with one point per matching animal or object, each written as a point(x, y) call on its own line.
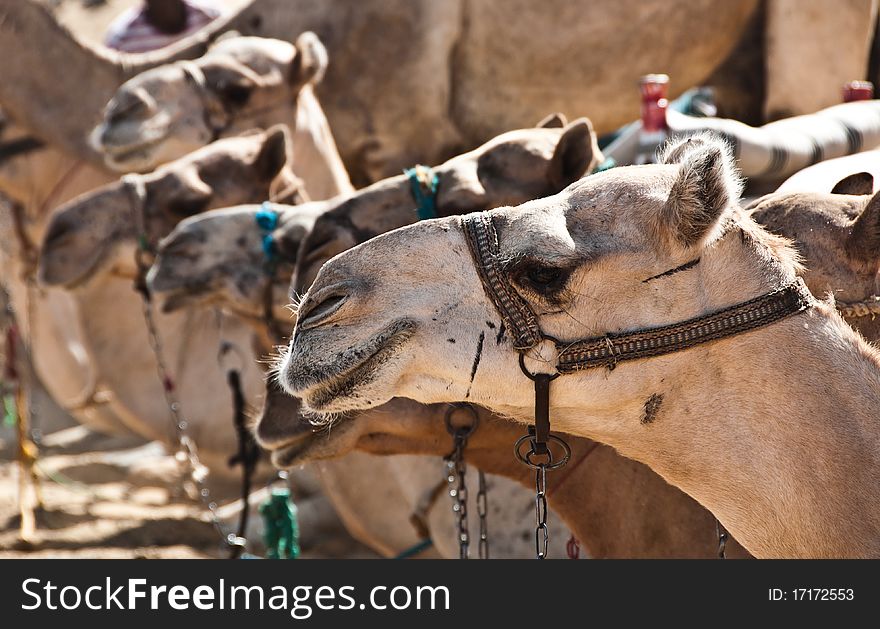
point(550, 464)
point(466, 429)
point(529, 374)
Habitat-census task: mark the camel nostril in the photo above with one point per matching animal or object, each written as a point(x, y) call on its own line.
point(315, 313)
point(130, 108)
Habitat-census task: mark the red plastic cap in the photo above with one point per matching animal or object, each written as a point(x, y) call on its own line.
point(858, 90)
point(654, 88)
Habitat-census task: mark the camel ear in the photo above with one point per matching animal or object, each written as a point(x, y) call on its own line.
point(273, 153)
point(310, 61)
point(864, 241)
point(857, 183)
point(553, 121)
point(675, 150)
point(577, 152)
point(707, 184)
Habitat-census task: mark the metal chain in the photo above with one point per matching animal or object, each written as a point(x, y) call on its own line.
point(482, 512)
point(542, 534)
point(723, 537)
point(187, 456)
point(456, 472)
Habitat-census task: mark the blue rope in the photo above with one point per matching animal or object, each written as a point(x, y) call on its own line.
point(267, 220)
point(424, 182)
point(425, 544)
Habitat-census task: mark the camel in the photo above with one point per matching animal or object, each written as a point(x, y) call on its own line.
point(216, 257)
point(737, 422)
point(195, 266)
point(239, 84)
point(39, 169)
point(616, 507)
point(403, 426)
point(838, 236)
point(470, 72)
point(89, 250)
point(206, 245)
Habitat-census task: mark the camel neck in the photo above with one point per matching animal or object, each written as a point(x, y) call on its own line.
point(773, 431)
point(65, 114)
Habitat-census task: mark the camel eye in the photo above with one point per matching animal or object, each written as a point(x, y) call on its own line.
point(235, 94)
point(542, 278)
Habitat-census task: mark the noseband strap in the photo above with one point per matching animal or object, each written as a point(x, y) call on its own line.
point(517, 315)
point(215, 115)
point(611, 349)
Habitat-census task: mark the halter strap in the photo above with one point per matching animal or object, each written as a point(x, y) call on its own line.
point(215, 114)
point(610, 349)
point(517, 315)
point(267, 220)
point(423, 183)
point(869, 307)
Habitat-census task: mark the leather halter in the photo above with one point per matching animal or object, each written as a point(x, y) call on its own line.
point(869, 307)
point(216, 116)
point(610, 349)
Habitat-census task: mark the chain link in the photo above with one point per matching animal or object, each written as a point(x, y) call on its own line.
point(456, 473)
point(482, 512)
point(542, 534)
point(191, 468)
point(723, 537)
point(457, 469)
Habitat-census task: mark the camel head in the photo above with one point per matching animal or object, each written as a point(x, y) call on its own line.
point(225, 257)
point(400, 427)
point(99, 230)
point(406, 314)
point(239, 84)
point(507, 170)
point(838, 236)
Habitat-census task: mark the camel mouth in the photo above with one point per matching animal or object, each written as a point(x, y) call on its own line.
point(117, 159)
point(120, 154)
point(317, 445)
point(184, 297)
point(323, 387)
point(292, 452)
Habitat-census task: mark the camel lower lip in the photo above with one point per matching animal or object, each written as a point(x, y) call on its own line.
point(320, 395)
point(123, 154)
point(179, 299)
point(291, 455)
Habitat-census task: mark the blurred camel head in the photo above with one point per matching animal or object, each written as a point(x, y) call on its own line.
point(241, 83)
point(838, 235)
point(98, 231)
point(215, 257)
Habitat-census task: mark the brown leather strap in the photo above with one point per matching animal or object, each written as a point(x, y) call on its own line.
point(517, 315)
point(607, 351)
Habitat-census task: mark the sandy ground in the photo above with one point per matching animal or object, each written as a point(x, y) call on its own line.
point(120, 497)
